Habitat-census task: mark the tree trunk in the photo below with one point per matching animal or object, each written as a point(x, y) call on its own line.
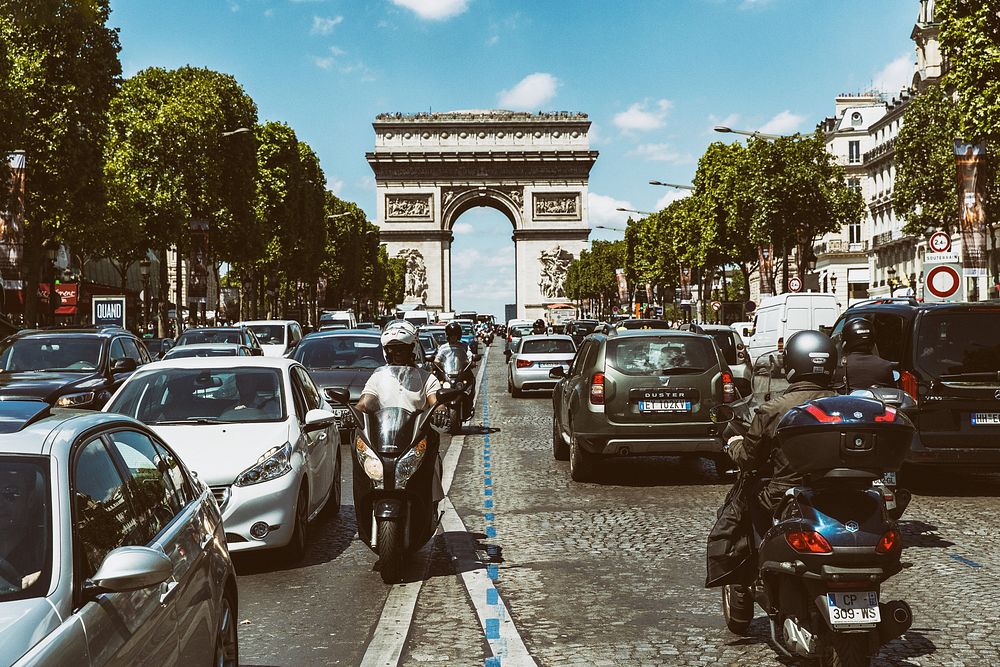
point(179, 292)
point(164, 295)
point(784, 268)
point(32, 258)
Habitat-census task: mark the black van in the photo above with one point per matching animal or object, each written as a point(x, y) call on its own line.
point(948, 357)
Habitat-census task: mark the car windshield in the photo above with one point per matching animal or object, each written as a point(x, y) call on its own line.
point(520, 330)
point(584, 328)
point(724, 339)
point(428, 343)
point(50, 353)
point(195, 336)
point(960, 345)
point(25, 528)
point(340, 352)
point(643, 324)
point(268, 334)
point(202, 396)
point(547, 346)
point(440, 337)
point(189, 351)
point(662, 355)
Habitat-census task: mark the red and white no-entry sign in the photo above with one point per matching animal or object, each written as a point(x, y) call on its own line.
point(794, 284)
point(942, 282)
point(940, 242)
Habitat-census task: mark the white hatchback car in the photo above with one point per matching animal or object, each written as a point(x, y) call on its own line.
point(257, 430)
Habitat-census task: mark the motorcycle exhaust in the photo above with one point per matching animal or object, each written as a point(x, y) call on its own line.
point(896, 619)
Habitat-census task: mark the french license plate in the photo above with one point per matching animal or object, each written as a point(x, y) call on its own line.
point(664, 406)
point(547, 364)
point(986, 418)
point(853, 608)
point(888, 479)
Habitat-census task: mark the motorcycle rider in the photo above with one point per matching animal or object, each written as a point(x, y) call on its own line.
point(538, 327)
point(861, 368)
point(453, 332)
point(400, 383)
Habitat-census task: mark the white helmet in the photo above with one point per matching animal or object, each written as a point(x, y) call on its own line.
point(400, 332)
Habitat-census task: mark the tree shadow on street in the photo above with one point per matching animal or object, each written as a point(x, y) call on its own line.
point(648, 471)
point(921, 534)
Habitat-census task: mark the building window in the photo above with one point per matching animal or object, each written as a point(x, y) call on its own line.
point(854, 184)
point(856, 119)
point(853, 152)
point(854, 232)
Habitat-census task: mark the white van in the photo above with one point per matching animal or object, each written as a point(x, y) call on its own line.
point(778, 317)
point(419, 318)
point(338, 318)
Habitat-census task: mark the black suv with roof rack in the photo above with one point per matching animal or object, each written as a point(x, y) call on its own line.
point(69, 368)
point(948, 358)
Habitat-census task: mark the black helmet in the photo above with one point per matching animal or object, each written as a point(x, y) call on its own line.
point(810, 355)
point(539, 326)
point(453, 330)
point(858, 334)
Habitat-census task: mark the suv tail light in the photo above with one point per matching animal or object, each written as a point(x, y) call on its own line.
point(908, 383)
point(524, 363)
point(597, 389)
point(808, 542)
point(728, 388)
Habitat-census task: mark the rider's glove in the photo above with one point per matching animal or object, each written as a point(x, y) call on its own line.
point(735, 440)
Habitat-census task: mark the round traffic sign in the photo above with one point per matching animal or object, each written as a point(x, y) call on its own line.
point(940, 242)
point(716, 306)
point(794, 285)
point(943, 281)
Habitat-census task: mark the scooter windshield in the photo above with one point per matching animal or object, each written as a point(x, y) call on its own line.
point(451, 359)
point(391, 429)
point(769, 376)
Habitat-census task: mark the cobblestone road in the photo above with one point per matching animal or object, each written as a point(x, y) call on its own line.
point(607, 573)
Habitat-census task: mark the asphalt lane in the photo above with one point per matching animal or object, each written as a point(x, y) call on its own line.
point(604, 573)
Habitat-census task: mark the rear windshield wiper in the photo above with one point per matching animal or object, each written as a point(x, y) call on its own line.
point(677, 370)
point(193, 420)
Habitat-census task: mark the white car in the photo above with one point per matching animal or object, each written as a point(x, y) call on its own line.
point(277, 337)
point(533, 357)
point(257, 430)
point(207, 350)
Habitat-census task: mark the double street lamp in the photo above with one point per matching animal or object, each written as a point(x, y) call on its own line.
point(672, 185)
point(632, 210)
point(749, 133)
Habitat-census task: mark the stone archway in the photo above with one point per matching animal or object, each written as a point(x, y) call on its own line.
point(533, 168)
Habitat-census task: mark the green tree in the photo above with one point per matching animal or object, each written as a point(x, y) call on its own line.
point(592, 275)
point(970, 42)
point(394, 287)
point(352, 255)
point(59, 69)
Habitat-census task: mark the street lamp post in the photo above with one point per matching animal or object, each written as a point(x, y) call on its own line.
point(51, 253)
point(749, 133)
point(672, 185)
point(833, 285)
point(892, 281)
point(632, 210)
point(144, 271)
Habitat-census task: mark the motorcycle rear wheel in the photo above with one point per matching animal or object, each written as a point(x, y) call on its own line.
point(845, 650)
point(737, 606)
point(390, 551)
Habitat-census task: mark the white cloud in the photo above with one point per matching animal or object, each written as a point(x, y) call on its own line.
point(462, 228)
point(640, 117)
point(234, 6)
point(334, 185)
point(472, 258)
point(895, 76)
point(434, 10)
point(530, 92)
point(492, 40)
point(671, 196)
point(732, 120)
point(601, 210)
point(269, 12)
point(323, 25)
point(323, 62)
point(661, 153)
point(785, 122)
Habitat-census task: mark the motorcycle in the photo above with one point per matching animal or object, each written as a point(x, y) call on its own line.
point(819, 562)
point(396, 473)
point(450, 367)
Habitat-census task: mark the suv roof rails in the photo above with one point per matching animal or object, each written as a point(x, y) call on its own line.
point(908, 300)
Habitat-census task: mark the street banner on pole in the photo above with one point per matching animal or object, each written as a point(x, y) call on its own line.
point(685, 284)
point(766, 256)
point(970, 160)
point(622, 285)
point(198, 268)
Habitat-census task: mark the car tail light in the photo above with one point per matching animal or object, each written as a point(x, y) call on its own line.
point(523, 363)
point(781, 344)
point(823, 417)
point(808, 542)
point(728, 388)
point(597, 389)
point(908, 383)
point(889, 542)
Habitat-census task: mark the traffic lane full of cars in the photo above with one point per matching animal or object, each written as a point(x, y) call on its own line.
point(111, 550)
point(642, 392)
point(239, 335)
point(533, 357)
point(257, 430)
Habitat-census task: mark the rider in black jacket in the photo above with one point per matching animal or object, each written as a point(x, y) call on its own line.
point(862, 369)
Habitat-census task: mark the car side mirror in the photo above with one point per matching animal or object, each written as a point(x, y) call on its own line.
point(338, 395)
point(896, 376)
point(124, 365)
point(318, 419)
point(557, 372)
point(256, 352)
point(130, 569)
point(721, 414)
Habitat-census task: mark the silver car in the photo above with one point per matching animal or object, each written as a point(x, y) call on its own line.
point(533, 356)
point(111, 551)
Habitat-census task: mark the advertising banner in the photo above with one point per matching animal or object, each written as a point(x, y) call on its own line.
point(970, 160)
point(109, 310)
point(12, 228)
point(198, 263)
point(685, 284)
point(765, 255)
point(622, 285)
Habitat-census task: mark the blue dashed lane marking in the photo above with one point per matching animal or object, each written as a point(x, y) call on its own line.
point(491, 531)
point(488, 516)
point(488, 504)
point(493, 628)
point(964, 560)
point(492, 625)
point(492, 597)
point(492, 662)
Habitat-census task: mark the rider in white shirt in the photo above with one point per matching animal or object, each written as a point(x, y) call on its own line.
point(400, 383)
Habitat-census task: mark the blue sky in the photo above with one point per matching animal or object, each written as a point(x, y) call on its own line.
point(654, 76)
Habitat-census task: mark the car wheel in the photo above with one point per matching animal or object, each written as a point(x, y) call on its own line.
point(581, 462)
point(560, 450)
point(510, 386)
point(227, 647)
point(296, 547)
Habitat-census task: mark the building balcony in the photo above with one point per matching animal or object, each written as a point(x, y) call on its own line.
point(840, 247)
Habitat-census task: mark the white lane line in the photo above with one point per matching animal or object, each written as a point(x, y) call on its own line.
point(389, 639)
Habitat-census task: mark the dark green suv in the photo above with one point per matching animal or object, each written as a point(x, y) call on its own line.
point(641, 393)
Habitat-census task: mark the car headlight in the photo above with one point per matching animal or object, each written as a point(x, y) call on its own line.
point(274, 463)
point(409, 462)
point(370, 462)
point(75, 400)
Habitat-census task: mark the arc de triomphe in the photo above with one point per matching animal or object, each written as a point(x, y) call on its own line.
point(534, 168)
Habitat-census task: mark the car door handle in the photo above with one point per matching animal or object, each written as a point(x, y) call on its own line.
point(168, 589)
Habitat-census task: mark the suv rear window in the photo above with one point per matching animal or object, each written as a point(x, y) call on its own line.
point(724, 340)
point(661, 354)
point(962, 343)
point(584, 327)
point(547, 346)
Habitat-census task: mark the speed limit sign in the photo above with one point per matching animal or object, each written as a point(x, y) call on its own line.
point(940, 242)
point(794, 285)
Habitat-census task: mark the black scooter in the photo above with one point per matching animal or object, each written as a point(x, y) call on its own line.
point(453, 370)
point(821, 562)
point(395, 464)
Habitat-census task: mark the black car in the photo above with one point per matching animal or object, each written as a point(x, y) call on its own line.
point(157, 347)
point(70, 368)
point(948, 359)
point(238, 335)
point(580, 329)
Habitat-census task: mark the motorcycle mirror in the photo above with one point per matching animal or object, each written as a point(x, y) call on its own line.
point(722, 413)
point(896, 376)
point(338, 395)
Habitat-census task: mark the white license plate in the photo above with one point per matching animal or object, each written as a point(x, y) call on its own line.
point(888, 479)
point(664, 406)
point(339, 412)
point(547, 364)
point(853, 608)
point(985, 418)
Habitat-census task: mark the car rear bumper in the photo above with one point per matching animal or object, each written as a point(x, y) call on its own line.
point(650, 444)
point(532, 378)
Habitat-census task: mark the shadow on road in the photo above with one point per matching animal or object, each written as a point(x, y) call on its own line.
point(933, 482)
point(328, 538)
point(658, 471)
point(921, 534)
